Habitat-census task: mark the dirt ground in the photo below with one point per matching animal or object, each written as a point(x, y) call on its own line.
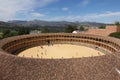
point(58, 51)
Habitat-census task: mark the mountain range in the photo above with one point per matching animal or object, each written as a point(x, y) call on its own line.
point(41, 23)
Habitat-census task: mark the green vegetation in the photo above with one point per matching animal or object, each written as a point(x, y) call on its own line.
point(115, 34)
point(23, 30)
point(45, 30)
point(70, 28)
point(1, 35)
point(9, 33)
point(102, 27)
point(82, 28)
point(117, 23)
point(13, 31)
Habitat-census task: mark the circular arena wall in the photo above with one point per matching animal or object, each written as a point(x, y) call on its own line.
point(17, 44)
point(103, 67)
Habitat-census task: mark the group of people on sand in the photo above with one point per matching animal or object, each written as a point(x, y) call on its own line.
point(43, 52)
point(97, 48)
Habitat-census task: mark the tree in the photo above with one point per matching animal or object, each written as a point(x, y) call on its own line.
point(115, 34)
point(117, 23)
point(23, 30)
point(1, 35)
point(81, 28)
point(45, 30)
point(102, 27)
point(9, 33)
point(12, 33)
point(70, 28)
point(5, 33)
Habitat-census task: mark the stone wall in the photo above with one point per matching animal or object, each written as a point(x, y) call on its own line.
point(104, 32)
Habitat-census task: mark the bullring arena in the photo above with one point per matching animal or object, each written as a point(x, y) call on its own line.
point(60, 56)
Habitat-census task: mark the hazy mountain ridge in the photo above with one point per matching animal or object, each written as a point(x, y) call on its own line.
point(92, 24)
point(17, 22)
point(42, 23)
point(52, 23)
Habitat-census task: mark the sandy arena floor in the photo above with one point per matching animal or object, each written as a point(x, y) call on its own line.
point(58, 51)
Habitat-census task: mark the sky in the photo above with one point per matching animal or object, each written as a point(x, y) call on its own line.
point(104, 11)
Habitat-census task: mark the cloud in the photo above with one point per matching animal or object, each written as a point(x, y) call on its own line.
point(66, 18)
point(84, 3)
point(9, 9)
point(42, 3)
point(88, 17)
point(102, 15)
point(65, 9)
point(35, 14)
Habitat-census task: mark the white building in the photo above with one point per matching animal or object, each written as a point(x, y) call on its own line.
point(75, 32)
point(35, 32)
